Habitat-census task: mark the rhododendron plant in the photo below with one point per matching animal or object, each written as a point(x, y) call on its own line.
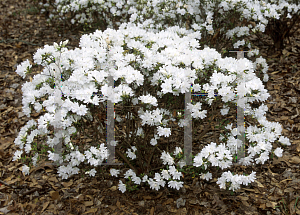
point(169, 61)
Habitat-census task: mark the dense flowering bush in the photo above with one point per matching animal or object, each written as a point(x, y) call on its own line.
point(224, 24)
point(168, 61)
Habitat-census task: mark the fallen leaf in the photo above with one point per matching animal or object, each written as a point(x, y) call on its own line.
point(113, 188)
point(295, 160)
point(244, 198)
point(54, 195)
point(67, 184)
point(259, 184)
point(262, 206)
point(92, 210)
point(169, 201)
point(152, 211)
point(147, 197)
point(45, 205)
point(289, 190)
point(88, 203)
point(271, 204)
point(118, 204)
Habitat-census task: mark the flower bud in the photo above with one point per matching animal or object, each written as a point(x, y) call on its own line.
point(65, 43)
point(55, 45)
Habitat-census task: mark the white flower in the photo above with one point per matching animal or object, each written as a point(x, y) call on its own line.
point(81, 110)
point(198, 160)
point(163, 131)
point(145, 178)
point(239, 43)
point(172, 170)
point(176, 175)
point(136, 180)
point(214, 161)
point(129, 173)
point(27, 148)
point(228, 126)
point(177, 151)
point(25, 170)
point(93, 161)
point(153, 184)
point(167, 159)
point(234, 186)
point(161, 183)
point(224, 111)
point(23, 67)
point(88, 155)
point(17, 155)
point(175, 184)
point(92, 172)
point(34, 159)
point(122, 187)
point(181, 163)
point(38, 107)
point(284, 140)
point(130, 154)
point(206, 176)
point(252, 177)
point(53, 156)
point(222, 182)
point(140, 132)
point(77, 155)
point(278, 152)
point(153, 142)
point(71, 146)
point(197, 87)
point(113, 143)
point(114, 172)
point(263, 157)
point(165, 174)
point(65, 43)
point(149, 99)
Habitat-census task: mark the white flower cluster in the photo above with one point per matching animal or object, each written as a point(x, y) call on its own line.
point(235, 180)
point(156, 182)
point(195, 110)
point(216, 155)
point(165, 11)
point(159, 15)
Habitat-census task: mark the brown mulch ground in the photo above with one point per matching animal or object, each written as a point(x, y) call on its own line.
point(276, 190)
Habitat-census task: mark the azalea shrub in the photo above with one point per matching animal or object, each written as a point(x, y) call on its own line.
point(146, 65)
point(224, 24)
